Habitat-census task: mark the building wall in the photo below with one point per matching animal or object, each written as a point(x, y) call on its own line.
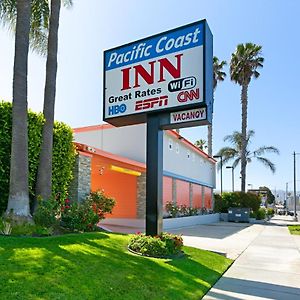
point(122, 187)
point(180, 159)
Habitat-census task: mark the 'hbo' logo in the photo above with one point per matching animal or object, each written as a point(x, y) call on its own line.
point(116, 109)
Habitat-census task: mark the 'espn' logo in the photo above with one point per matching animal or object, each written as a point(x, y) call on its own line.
point(150, 103)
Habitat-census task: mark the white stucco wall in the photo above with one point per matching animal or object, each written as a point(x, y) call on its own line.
point(130, 141)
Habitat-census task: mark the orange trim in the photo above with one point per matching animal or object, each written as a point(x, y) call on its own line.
point(94, 151)
point(93, 128)
point(191, 145)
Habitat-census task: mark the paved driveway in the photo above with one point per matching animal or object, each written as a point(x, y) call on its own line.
point(229, 239)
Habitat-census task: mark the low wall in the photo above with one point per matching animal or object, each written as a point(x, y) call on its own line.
point(171, 223)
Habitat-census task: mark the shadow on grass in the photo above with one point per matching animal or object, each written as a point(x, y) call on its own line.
point(98, 266)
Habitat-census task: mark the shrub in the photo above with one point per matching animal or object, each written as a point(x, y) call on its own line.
point(63, 153)
point(85, 215)
point(5, 227)
point(47, 213)
point(101, 203)
point(172, 209)
point(163, 245)
point(236, 199)
point(24, 229)
point(261, 214)
point(270, 212)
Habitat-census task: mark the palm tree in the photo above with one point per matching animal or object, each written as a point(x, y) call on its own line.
point(243, 66)
point(200, 144)
point(235, 152)
point(18, 200)
point(218, 75)
point(44, 178)
point(38, 22)
point(38, 36)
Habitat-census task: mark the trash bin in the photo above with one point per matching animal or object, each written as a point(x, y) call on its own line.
point(236, 214)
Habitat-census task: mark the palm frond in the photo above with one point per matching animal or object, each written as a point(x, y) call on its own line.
point(267, 163)
point(262, 150)
point(236, 162)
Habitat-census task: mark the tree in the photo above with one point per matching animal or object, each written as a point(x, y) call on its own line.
point(44, 178)
point(270, 196)
point(218, 75)
point(243, 66)
point(38, 22)
point(39, 33)
point(18, 200)
point(235, 153)
point(200, 144)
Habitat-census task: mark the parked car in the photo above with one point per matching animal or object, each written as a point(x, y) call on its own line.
point(281, 211)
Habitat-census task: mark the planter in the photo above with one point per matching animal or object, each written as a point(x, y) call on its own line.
point(173, 223)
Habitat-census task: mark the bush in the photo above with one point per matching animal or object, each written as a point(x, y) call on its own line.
point(85, 215)
point(236, 199)
point(63, 153)
point(5, 227)
point(82, 216)
point(261, 214)
point(47, 213)
point(163, 245)
point(270, 212)
point(101, 204)
point(180, 211)
point(172, 209)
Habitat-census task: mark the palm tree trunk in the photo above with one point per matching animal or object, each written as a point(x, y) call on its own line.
point(209, 140)
point(244, 100)
point(44, 179)
point(18, 200)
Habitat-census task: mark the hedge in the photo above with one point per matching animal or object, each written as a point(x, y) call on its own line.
point(236, 199)
point(63, 153)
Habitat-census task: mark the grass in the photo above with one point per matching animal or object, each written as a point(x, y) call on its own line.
point(98, 266)
point(294, 229)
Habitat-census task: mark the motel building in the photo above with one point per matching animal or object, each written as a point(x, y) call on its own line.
point(113, 159)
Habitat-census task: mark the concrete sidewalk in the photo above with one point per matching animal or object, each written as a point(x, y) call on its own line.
point(269, 268)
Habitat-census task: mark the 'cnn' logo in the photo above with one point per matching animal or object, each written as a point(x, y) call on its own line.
point(188, 95)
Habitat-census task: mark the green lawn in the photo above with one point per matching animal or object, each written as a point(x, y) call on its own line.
point(294, 229)
point(98, 266)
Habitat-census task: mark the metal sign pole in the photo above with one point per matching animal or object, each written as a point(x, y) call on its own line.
point(154, 175)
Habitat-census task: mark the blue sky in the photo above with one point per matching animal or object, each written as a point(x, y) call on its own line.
point(93, 26)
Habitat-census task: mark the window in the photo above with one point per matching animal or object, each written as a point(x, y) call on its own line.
point(170, 144)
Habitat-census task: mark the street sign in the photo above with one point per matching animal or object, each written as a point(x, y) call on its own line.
point(167, 72)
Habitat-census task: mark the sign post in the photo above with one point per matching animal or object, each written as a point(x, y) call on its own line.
point(154, 175)
point(166, 81)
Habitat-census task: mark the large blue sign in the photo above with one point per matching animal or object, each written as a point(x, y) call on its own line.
point(160, 45)
point(167, 72)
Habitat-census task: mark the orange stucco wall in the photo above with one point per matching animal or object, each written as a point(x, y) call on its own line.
point(207, 198)
point(197, 196)
point(122, 187)
point(182, 191)
point(167, 190)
